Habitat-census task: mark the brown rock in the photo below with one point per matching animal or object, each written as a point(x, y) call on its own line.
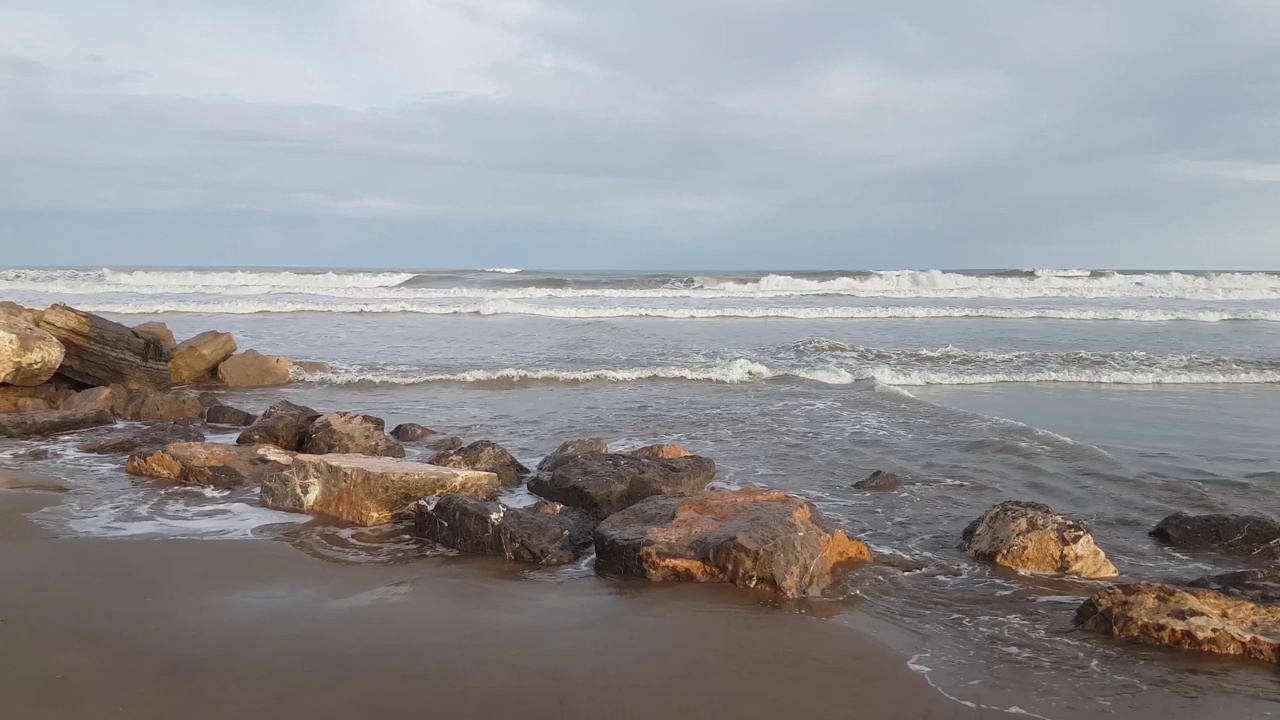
point(50, 396)
point(150, 406)
point(101, 352)
point(111, 398)
point(1188, 619)
point(194, 359)
point(571, 449)
point(1255, 586)
point(752, 538)
point(159, 331)
point(409, 432)
point(1029, 536)
point(545, 533)
point(284, 425)
point(211, 464)
point(208, 399)
point(440, 443)
point(350, 433)
point(662, 452)
point(484, 455)
point(604, 484)
point(227, 415)
point(25, 314)
point(253, 369)
point(1233, 534)
point(880, 481)
point(148, 440)
point(41, 423)
point(367, 490)
point(29, 356)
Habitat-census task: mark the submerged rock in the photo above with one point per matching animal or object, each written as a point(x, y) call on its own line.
point(750, 537)
point(111, 398)
point(284, 425)
point(665, 452)
point(29, 356)
point(253, 369)
point(880, 481)
point(350, 433)
point(571, 449)
point(152, 406)
point(212, 464)
point(603, 484)
point(484, 455)
point(1188, 619)
point(42, 423)
point(227, 415)
point(545, 533)
point(101, 352)
point(195, 358)
point(1255, 586)
point(410, 432)
point(148, 439)
point(1029, 536)
point(1235, 534)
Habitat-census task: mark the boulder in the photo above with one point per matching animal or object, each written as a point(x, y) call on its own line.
point(665, 452)
point(159, 331)
point(227, 415)
point(440, 443)
point(29, 356)
point(603, 484)
point(484, 455)
point(101, 352)
point(284, 425)
point(208, 399)
point(147, 440)
point(41, 423)
point(1029, 536)
point(1233, 534)
point(253, 369)
point(50, 396)
point(350, 433)
point(410, 432)
point(212, 464)
point(367, 490)
point(880, 481)
point(1255, 586)
point(152, 406)
point(17, 312)
point(571, 449)
point(111, 398)
point(1187, 619)
point(752, 538)
point(195, 358)
point(545, 533)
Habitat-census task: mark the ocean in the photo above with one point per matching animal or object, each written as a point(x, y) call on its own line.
point(1117, 397)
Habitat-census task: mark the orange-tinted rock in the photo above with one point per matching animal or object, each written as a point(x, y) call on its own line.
point(159, 331)
point(663, 452)
point(194, 359)
point(29, 356)
point(101, 352)
point(211, 464)
point(253, 369)
point(1029, 536)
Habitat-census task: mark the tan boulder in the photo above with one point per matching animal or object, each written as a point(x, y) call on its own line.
point(1029, 536)
point(41, 423)
point(29, 356)
point(152, 406)
point(195, 358)
point(50, 396)
point(111, 398)
point(101, 352)
point(253, 369)
point(18, 312)
point(159, 331)
point(662, 452)
point(211, 464)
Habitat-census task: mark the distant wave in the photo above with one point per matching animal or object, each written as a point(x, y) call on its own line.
point(504, 271)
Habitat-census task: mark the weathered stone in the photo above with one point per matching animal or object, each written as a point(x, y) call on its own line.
point(284, 425)
point(151, 406)
point(40, 423)
point(350, 433)
point(227, 415)
point(410, 432)
point(159, 331)
point(441, 443)
point(101, 352)
point(750, 537)
point(312, 367)
point(111, 398)
point(367, 490)
point(1234, 534)
point(880, 481)
point(195, 358)
point(253, 369)
point(603, 484)
point(571, 449)
point(29, 356)
point(50, 396)
point(18, 312)
point(1029, 536)
point(208, 399)
point(1188, 619)
point(484, 455)
point(545, 533)
point(1255, 586)
point(212, 464)
point(663, 452)
point(147, 440)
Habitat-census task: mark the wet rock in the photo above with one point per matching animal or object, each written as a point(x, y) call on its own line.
point(441, 443)
point(880, 481)
point(901, 562)
point(211, 464)
point(367, 490)
point(1029, 536)
point(545, 533)
point(42, 423)
point(195, 358)
point(152, 406)
point(227, 415)
point(37, 454)
point(29, 356)
point(284, 425)
point(1187, 619)
point(101, 352)
point(208, 399)
point(253, 369)
point(49, 396)
point(111, 398)
point(1255, 586)
point(147, 440)
point(750, 537)
point(411, 432)
point(158, 331)
point(571, 449)
point(603, 484)
point(484, 455)
point(350, 433)
point(662, 452)
point(1234, 534)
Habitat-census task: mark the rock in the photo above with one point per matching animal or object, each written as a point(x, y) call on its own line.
point(150, 406)
point(1255, 586)
point(148, 440)
point(664, 452)
point(49, 396)
point(284, 425)
point(195, 358)
point(227, 415)
point(1029, 536)
point(409, 432)
point(101, 352)
point(571, 449)
point(159, 331)
point(440, 443)
point(111, 398)
point(545, 533)
point(208, 399)
point(750, 537)
point(37, 454)
point(312, 367)
point(880, 481)
point(212, 464)
point(17, 312)
point(484, 455)
point(253, 369)
point(367, 490)
point(1235, 534)
point(350, 433)
point(29, 356)
point(1187, 619)
point(603, 484)
point(41, 423)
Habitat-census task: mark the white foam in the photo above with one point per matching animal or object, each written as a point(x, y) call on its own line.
point(504, 271)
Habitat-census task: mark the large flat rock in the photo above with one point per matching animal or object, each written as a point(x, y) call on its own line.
point(41, 423)
point(603, 484)
point(212, 464)
point(101, 352)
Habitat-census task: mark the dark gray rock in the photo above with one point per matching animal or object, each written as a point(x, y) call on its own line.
point(227, 415)
point(1256, 586)
point(284, 425)
point(411, 432)
point(42, 423)
point(1233, 534)
point(148, 440)
point(101, 352)
point(571, 449)
point(880, 481)
point(484, 455)
point(603, 484)
point(545, 533)
point(350, 433)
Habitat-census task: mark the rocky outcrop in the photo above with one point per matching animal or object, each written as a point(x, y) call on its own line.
point(152, 406)
point(101, 352)
point(1029, 536)
point(411, 432)
point(29, 356)
point(603, 484)
point(571, 449)
point(17, 312)
point(159, 331)
point(211, 464)
point(147, 440)
point(1255, 586)
point(253, 369)
point(350, 433)
point(752, 538)
point(367, 490)
point(195, 358)
point(111, 398)
point(545, 533)
point(227, 415)
point(41, 423)
point(880, 481)
point(487, 456)
point(1232, 534)
point(664, 452)
point(284, 425)
point(1187, 619)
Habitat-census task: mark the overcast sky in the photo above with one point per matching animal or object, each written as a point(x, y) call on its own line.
point(649, 134)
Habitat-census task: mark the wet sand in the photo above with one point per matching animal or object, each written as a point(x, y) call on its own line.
point(144, 629)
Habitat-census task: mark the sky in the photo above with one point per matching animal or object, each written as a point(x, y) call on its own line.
point(654, 134)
